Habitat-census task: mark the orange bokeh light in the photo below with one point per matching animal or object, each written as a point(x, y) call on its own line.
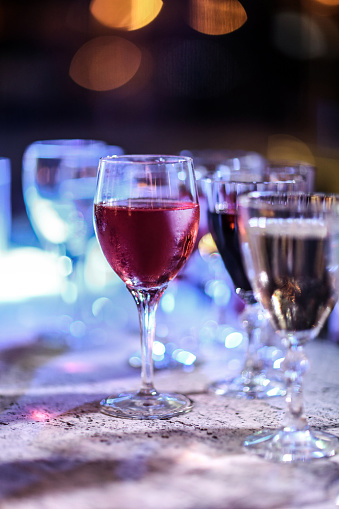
point(125, 14)
point(329, 3)
point(216, 17)
point(105, 63)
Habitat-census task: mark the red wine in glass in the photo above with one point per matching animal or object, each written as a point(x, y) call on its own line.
point(147, 246)
point(224, 230)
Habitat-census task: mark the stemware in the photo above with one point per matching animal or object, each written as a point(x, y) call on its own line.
point(146, 217)
point(278, 170)
point(222, 196)
point(290, 245)
point(59, 179)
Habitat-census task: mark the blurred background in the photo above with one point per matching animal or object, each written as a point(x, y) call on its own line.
point(162, 76)
point(158, 76)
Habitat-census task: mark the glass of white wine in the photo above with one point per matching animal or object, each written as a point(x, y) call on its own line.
point(290, 247)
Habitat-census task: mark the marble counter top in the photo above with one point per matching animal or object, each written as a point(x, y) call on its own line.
point(58, 451)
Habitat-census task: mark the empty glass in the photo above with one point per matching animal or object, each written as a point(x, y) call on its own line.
point(59, 180)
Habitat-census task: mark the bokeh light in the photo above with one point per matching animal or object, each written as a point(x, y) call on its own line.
point(215, 17)
point(234, 339)
point(322, 8)
point(40, 415)
point(77, 367)
point(105, 63)
point(298, 36)
point(330, 3)
point(207, 246)
point(18, 283)
point(330, 30)
point(126, 14)
point(282, 147)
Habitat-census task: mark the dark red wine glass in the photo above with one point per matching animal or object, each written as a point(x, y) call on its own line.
point(146, 217)
point(222, 197)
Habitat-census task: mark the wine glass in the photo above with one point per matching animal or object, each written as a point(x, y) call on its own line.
point(146, 217)
point(290, 245)
point(222, 197)
point(59, 180)
point(276, 170)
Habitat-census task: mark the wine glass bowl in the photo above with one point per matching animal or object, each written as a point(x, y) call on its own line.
point(58, 187)
point(291, 244)
point(279, 170)
point(146, 217)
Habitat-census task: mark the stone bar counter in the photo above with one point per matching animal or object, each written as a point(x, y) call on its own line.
point(58, 451)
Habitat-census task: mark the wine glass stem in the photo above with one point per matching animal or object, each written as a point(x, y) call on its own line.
point(294, 367)
point(147, 302)
point(251, 321)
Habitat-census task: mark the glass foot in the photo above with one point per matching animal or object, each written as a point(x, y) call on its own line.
point(289, 446)
point(255, 387)
point(133, 405)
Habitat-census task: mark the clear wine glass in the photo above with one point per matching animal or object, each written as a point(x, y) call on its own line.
point(277, 170)
point(290, 245)
point(146, 217)
point(222, 197)
point(59, 181)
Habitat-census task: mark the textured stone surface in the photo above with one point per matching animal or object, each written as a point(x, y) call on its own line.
point(57, 450)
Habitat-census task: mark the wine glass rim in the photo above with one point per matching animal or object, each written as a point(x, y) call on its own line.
point(254, 181)
point(218, 155)
point(149, 159)
point(68, 142)
point(285, 163)
point(256, 199)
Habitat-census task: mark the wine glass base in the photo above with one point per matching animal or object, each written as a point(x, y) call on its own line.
point(133, 405)
point(242, 386)
point(290, 446)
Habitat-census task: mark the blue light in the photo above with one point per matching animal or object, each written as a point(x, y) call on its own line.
point(233, 339)
point(167, 302)
point(184, 357)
